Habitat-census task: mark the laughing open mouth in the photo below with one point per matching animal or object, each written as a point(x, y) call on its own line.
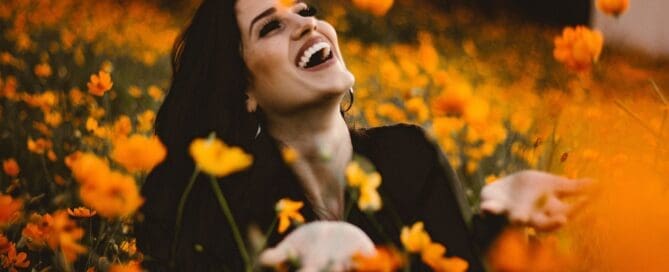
point(315, 55)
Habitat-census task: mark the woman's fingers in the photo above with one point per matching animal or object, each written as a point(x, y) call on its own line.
point(569, 187)
point(545, 222)
point(493, 206)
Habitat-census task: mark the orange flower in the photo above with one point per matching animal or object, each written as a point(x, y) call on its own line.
point(155, 93)
point(87, 167)
point(418, 108)
point(613, 7)
point(288, 211)
point(433, 255)
point(112, 195)
point(415, 239)
point(289, 154)
point(64, 234)
point(39, 146)
point(14, 260)
point(81, 212)
point(376, 7)
point(100, 83)
point(385, 260)
point(9, 209)
point(42, 70)
point(578, 48)
point(35, 234)
point(138, 153)
point(122, 127)
point(11, 167)
point(4, 244)
point(145, 121)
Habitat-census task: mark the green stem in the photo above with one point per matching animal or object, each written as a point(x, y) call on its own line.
point(180, 212)
point(378, 227)
point(262, 246)
point(231, 220)
point(351, 202)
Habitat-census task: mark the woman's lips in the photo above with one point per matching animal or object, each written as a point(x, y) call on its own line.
point(309, 44)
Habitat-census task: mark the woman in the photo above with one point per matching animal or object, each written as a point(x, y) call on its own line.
point(262, 75)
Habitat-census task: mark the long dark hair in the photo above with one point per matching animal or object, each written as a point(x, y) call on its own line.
point(207, 94)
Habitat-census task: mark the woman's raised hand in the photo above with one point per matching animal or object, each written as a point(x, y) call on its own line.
point(532, 198)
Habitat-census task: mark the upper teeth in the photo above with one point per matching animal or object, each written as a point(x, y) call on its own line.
point(312, 50)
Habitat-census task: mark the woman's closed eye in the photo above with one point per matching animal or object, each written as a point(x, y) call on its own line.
point(274, 23)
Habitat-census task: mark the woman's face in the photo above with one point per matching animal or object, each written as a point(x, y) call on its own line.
point(294, 58)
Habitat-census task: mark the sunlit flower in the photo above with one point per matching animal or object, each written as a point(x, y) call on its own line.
point(81, 212)
point(385, 260)
point(100, 83)
point(613, 7)
point(288, 212)
point(129, 246)
point(138, 152)
point(415, 239)
point(578, 48)
point(289, 154)
point(11, 167)
point(42, 70)
point(433, 255)
point(87, 167)
point(216, 158)
point(12, 260)
point(10, 209)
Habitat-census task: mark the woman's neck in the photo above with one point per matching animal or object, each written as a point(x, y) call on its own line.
point(322, 139)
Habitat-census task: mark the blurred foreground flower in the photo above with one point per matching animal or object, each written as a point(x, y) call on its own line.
point(366, 184)
point(321, 245)
point(385, 260)
point(138, 152)
point(578, 48)
point(100, 83)
point(376, 7)
point(216, 158)
point(613, 7)
point(57, 231)
point(517, 250)
point(287, 212)
point(417, 240)
point(132, 266)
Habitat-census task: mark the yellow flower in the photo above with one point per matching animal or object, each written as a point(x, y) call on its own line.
point(135, 91)
point(613, 7)
point(287, 212)
point(11, 167)
point(138, 152)
point(100, 83)
point(418, 108)
point(42, 70)
point(415, 239)
point(578, 48)
point(289, 154)
point(81, 212)
point(367, 185)
point(433, 255)
point(216, 158)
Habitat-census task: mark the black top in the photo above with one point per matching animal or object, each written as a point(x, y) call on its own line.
point(417, 185)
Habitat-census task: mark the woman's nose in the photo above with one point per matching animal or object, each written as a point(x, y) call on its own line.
point(304, 26)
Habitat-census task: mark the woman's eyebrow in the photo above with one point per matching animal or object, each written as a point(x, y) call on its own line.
point(265, 13)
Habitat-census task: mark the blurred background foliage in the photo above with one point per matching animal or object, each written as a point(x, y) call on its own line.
point(479, 76)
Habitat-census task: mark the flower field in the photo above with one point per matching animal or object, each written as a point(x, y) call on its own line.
point(81, 82)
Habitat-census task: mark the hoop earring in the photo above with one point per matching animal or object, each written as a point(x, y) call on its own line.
point(351, 100)
point(258, 131)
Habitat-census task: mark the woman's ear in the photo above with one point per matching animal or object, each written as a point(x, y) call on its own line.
point(251, 103)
